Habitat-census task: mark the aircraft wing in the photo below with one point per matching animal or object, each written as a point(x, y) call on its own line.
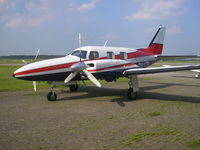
point(159, 69)
point(176, 57)
point(196, 70)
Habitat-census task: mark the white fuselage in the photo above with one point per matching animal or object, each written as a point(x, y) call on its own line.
point(103, 62)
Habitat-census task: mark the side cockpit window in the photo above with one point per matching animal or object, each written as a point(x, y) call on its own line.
point(110, 55)
point(123, 55)
point(81, 53)
point(94, 55)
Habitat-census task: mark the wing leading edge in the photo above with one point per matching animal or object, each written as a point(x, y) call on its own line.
point(160, 69)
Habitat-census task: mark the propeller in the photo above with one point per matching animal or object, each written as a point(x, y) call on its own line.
point(79, 37)
point(34, 82)
point(37, 54)
point(25, 62)
point(81, 67)
point(105, 44)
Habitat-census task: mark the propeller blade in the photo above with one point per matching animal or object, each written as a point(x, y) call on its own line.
point(79, 37)
point(92, 78)
point(70, 77)
point(37, 54)
point(34, 86)
point(24, 61)
point(105, 43)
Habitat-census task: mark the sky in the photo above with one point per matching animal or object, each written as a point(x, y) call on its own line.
point(54, 25)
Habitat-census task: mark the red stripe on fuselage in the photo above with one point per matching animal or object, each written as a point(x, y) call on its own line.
point(154, 49)
point(49, 68)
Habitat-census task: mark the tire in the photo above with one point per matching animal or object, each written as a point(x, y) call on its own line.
point(73, 87)
point(51, 96)
point(131, 94)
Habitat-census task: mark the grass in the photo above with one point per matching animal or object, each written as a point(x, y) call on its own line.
point(173, 62)
point(16, 61)
point(137, 137)
point(8, 83)
point(12, 61)
point(194, 143)
point(154, 114)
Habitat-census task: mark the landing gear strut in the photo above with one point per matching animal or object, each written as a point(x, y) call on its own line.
point(133, 87)
point(52, 96)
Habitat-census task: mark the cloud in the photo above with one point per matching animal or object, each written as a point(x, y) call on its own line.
point(15, 22)
point(109, 36)
point(170, 29)
point(174, 29)
point(6, 4)
point(38, 12)
point(158, 9)
point(32, 15)
point(87, 6)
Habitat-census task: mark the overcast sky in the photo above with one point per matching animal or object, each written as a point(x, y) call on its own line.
point(53, 25)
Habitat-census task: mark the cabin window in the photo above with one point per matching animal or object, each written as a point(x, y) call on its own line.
point(94, 55)
point(110, 55)
point(123, 55)
point(83, 54)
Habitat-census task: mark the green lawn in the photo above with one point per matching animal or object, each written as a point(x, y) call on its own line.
point(11, 61)
point(8, 83)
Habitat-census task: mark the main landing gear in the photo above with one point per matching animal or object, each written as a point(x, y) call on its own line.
point(131, 93)
point(133, 87)
point(52, 96)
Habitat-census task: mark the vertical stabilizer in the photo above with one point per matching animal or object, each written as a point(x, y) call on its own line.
point(156, 45)
point(159, 36)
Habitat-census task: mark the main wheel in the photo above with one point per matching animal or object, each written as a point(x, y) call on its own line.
point(51, 96)
point(73, 87)
point(131, 94)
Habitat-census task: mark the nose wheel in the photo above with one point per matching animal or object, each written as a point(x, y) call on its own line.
point(52, 96)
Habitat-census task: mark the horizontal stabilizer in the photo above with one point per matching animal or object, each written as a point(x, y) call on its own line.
point(160, 69)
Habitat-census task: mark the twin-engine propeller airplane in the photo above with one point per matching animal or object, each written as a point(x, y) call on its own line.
point(100, 62)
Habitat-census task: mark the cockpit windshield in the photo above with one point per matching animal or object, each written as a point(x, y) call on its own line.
point(79, 53)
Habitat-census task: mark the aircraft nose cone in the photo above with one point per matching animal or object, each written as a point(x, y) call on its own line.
point(18, 73)
point(13, 75)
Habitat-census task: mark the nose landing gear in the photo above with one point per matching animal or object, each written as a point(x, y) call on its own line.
point(52, 96)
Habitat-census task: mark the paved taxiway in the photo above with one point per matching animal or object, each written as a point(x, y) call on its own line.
point(165, 116)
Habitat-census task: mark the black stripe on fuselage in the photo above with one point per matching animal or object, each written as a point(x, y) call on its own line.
point(63, 75)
